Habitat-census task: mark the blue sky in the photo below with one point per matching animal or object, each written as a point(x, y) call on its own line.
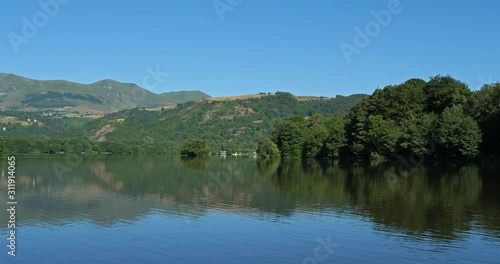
point(258, 45)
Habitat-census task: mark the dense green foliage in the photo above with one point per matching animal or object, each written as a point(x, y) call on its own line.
point(231, 125)
point(195, 148)
point(78, 145)
point(310, 137)
point(266, 149)
point(443, 92)
point(441, 118)
point(484, 107)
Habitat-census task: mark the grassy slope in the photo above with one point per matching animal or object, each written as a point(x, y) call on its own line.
point(113, 95)
point(184, 96)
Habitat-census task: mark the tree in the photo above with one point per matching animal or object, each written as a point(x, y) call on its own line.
point(336, 139)
point(417, 133)
point(397, 101)
point(484, 107)
point(356, 123)
point(315, 137)
point(371, 135)
point(381, 136)
point(267, 149)
point(444, 91)
point(195, 147)
point(289, 136)
point(459, 135)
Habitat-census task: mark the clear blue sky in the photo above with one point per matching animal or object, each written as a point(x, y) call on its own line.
point(261, 45)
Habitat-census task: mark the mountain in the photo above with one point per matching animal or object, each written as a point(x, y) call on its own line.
point(229, 123)
point(106, 96)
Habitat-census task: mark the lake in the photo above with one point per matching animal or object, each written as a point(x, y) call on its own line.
point(240, 210)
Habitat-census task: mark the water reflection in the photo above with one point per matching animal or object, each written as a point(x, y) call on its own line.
point(434, 202)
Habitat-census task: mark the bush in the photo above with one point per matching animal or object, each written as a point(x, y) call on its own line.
point(195, 147)
point(267, 149)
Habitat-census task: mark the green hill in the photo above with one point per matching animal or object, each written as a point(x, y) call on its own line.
point(106, 96)
point(230, 123)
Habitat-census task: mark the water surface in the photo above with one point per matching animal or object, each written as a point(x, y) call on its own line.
point(239, 210)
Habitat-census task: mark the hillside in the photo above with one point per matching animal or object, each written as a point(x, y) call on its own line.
point(184, 96)
point(106, 96)
point(231, 123)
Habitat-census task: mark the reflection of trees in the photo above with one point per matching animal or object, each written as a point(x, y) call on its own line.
point(490, 198)
point(435, 200)
point(195, 163)
point(439, 201)
point(309, 181)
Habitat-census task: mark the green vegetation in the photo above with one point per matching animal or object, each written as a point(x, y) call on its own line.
point(195, 148)
point(80, 146)
point(483, 106)
point(55, 99)
point(441, 118)
point(310, 137)
point(267, 149)
point(38, 124)
point(106, 96)
point(229, 125)
point(415, 117)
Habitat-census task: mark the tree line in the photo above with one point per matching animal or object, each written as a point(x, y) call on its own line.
point(74, 145)
point(441, 118)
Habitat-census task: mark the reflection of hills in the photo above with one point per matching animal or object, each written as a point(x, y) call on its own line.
point(433, 200)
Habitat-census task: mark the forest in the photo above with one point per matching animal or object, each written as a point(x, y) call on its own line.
point(438, 119)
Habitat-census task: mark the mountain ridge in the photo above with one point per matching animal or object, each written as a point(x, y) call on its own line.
point(20, 93)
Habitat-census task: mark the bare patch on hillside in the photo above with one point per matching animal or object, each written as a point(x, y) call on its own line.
point(239, 132)
point(100, 135)
point(238, 111)
point(187, 113)
point(208, 115)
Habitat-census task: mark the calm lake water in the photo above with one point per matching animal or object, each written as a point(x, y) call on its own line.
point(239, 210)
